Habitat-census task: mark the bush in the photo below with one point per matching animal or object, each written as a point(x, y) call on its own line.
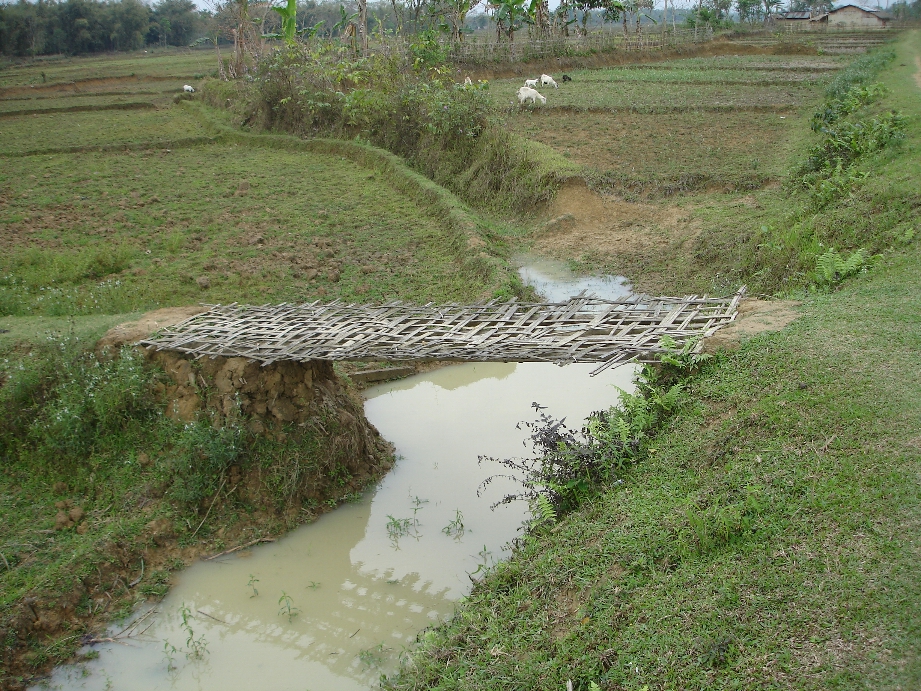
point(569, 466)
point(62, 399)
point(308, 90)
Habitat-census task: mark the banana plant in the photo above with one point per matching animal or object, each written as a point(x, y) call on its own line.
point(345, 20)
point(510, 16)
point(288, 15)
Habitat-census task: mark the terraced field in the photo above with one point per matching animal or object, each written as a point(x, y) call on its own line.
point(726, 122)
point(89, 227)
point(168, 65)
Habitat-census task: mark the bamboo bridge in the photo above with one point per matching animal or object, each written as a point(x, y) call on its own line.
point(581, 329)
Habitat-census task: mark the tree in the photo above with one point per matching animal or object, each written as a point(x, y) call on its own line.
point(510, 16)
point(176, 22)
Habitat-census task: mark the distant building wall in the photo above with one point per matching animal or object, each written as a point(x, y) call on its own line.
point(855, 18)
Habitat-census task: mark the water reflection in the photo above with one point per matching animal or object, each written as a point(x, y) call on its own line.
point(556, 282)
point(358, 593)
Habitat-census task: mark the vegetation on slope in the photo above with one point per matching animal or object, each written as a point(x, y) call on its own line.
point(766, 536)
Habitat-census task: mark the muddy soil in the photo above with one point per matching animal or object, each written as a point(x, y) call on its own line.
point(583, 222)
point(755, 317)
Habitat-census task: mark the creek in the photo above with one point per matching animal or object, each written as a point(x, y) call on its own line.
point(333, 604)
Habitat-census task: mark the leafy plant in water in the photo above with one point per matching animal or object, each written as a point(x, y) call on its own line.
point(196, 648)
point(286, 607)
point(372, 657)
point(567, 466)
point(252, 584)
point(455, 527)
point(169, 652)
point(398, 527)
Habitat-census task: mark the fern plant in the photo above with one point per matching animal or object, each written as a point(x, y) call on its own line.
point(832, 268)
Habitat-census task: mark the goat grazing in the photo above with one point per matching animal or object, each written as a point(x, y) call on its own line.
point(188, 89)
point(567, 78)
point(468, 82)
point(547, 80)
point(531, 82)
point(526, 93)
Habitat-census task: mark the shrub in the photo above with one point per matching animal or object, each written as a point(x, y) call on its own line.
point(848, 141)
point(569, 466)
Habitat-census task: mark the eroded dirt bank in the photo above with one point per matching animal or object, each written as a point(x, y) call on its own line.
point(308, 447)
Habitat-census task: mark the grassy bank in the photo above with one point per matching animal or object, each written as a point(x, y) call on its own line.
point(767, 537)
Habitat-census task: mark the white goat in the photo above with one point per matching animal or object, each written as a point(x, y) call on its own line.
point(468, 82)
point(526, 93)
point(188, 89)
point(547, 80)
point(531, 82)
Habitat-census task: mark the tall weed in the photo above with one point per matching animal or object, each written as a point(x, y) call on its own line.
point(568, 466)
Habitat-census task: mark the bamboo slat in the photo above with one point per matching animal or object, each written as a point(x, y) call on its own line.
point(581, 329)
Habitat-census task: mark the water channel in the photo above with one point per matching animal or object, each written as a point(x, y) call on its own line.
point(333, 604)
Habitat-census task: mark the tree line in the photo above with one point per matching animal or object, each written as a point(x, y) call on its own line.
point(78, 27)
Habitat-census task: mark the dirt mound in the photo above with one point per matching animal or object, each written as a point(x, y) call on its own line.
point(755, 317)
point(130, 333)
point(605, 225)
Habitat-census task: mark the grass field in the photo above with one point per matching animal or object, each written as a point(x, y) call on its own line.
point(658, 96)
point(157, 64)
point(55, 131)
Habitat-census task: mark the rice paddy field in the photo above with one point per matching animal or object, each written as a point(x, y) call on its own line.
point(153, 65)
point(128, 204)
point(695, 124)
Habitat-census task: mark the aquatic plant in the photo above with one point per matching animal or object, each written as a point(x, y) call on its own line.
point(286, 607)
point(455, 527)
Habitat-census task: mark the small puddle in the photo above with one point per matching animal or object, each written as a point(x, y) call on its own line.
point(333, 604)
point(556, 282)
point(361, 595)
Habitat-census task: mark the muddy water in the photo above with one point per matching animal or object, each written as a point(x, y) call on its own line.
point(556, 282)
point(332, 605)
point(359, 592)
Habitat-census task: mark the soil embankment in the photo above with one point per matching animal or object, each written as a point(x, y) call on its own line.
point(304, 446)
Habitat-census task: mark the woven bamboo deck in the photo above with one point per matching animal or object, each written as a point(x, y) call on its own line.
point(582, 329)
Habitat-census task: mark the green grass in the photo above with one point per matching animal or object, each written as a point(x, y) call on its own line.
point(768, 538)
point(787, 63)
point(698, 75)
point(169, 64)
point(56, 131)
point(137, 231)
point(648, 96)
point(9, 108)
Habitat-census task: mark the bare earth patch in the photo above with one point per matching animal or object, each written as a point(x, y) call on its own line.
point(584, 222)
point(132, 332)
point(755, 317)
